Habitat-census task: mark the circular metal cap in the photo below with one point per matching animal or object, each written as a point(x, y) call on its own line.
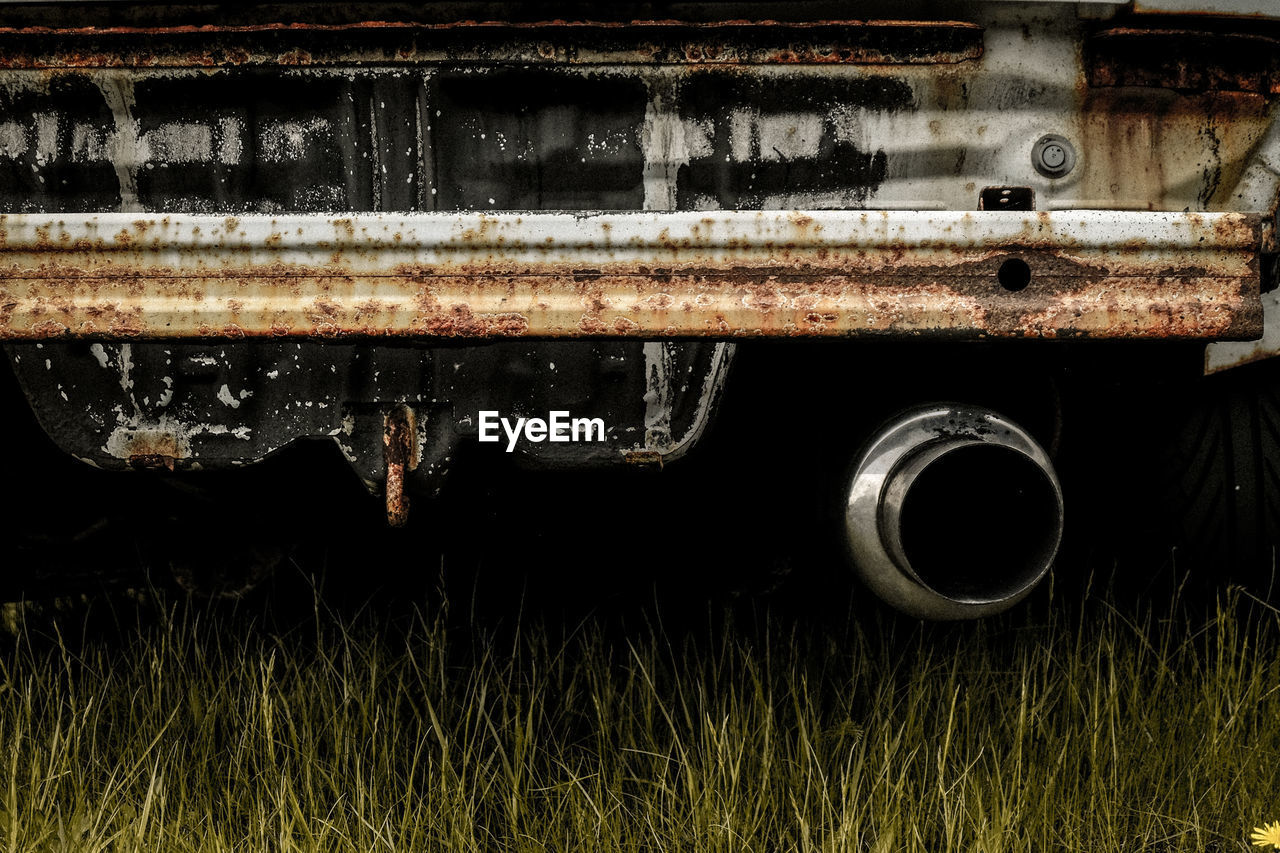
point(1053, 156)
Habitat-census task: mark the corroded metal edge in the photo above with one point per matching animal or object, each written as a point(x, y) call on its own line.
point(558, 42)
point(722, 274)
point(1225, 356)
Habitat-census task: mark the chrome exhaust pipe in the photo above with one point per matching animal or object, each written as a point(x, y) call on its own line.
point(954, 512)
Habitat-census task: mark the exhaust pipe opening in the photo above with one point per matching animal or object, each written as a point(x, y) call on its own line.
point(979, 524)
point(954, 512)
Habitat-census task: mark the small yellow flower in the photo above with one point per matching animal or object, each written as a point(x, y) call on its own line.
point(1267, 835)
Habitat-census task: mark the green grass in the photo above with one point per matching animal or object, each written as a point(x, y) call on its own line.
point(201, 730)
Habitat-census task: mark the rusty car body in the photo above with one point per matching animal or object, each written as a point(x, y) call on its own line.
point(226, 229)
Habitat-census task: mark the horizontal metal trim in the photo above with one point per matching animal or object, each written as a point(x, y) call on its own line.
point(721, 274)
point(663, 42)
point(442, 237)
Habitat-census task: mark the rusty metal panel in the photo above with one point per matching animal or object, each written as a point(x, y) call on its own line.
point(1224, 356)
point(556, 42)
point(425, 129)
point(881, 115)
point(1253, 8)
point(1097, 274)
point(1188, 60)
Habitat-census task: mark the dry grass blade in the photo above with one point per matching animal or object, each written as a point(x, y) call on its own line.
point(205, 732)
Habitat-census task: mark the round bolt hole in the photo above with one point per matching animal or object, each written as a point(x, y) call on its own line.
point(1014, 274)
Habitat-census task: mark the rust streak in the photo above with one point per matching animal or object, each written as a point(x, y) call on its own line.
point(400, 446)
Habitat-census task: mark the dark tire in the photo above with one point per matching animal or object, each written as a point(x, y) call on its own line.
point(1222, 475)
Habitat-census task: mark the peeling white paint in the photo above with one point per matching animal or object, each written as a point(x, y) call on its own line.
point(178, 142)
point(658, 397)
point(741, 135)
point(165, 434)
point(668, 141)
point(89, 143)
point(124, 361)
point(712, 388)
point(46, 138)
point(167, 396)
point(230, 143)
point(289, 140)
point(225, 397)
point(13, 139)
point(117, 91)
point(346, 428)
point(789, 136)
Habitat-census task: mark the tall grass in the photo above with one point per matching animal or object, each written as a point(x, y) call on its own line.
point(207, 731)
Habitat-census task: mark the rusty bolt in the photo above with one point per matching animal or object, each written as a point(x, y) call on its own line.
point(1053, 156)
